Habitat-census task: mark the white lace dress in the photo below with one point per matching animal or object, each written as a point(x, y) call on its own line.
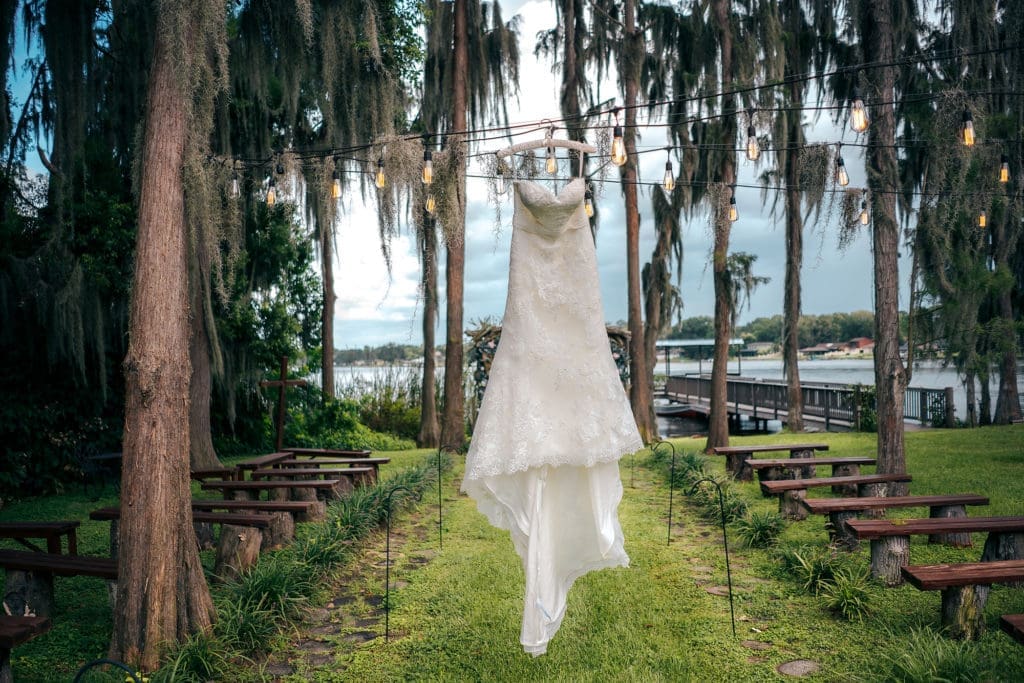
point(554, 421)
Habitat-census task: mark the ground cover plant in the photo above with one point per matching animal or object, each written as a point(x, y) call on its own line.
point(456, 616)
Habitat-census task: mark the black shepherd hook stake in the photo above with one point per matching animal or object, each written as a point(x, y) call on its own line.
point(112, 662)
point(725, 540)
point(440, 528)
point(671, 482)
point(387, 563)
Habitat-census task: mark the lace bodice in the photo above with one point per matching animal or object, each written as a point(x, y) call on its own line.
point(554, 395)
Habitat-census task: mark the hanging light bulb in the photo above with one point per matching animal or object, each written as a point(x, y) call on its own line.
point(428, 167)
point(235, 191)
point(669, 182)
point(967, 129)
point(864, 216)
point(271, 191)
point(753, 149)
point(1004, 169)
point(335, 184)
point(380, 180)
point(842, 177)
point(734, 213)
point(858, 114)
point(431, 204)
point(619, 156)
point(551, 165)
point(982, 220)
point(588, 203)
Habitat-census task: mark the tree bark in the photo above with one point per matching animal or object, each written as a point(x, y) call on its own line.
point(430, 431)
point(162, 593)
point(1008, 398)
point(985, 404)
point(202, 454)
point(239, 549)
point(890, 375)
point(453, 421)
point(972, 399)
point(888, 555)
point(718, 418)
point(794, 258)
point(327, 323)
point(640, 397)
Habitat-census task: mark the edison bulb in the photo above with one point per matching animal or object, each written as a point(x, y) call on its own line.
point(864, 213)
point(858, 114)
point(380, 180)
point(335, 185)
point(271, 193)
point(619, 156)
point(588, 203)
point(431, 204)
point(235, 191)
point(1004, 169)
point(842, 177)
point(734, 213)
point(428, 168)
point(753, 148)
point(967, 131)
point(982, 219)
point(669, 182)
point(551, 165)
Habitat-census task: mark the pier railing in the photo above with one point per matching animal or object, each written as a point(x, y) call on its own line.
point(828, 402)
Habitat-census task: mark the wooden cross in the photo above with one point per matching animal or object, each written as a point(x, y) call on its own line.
point(281, 385)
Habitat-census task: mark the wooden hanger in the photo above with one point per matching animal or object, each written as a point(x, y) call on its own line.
point(549, 141)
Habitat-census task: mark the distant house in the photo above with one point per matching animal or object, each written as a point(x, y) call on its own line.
point(860, 345)
point(758, 348)
point(821, 349)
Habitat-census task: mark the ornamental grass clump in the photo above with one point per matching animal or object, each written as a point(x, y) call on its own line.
point(246, 626)
point(929, 657)
point(849, 592)
point(202, 657)
point(811, 566)
point(760, 529)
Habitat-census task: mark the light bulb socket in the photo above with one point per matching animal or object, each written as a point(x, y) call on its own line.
point(273, 182)
point(751, 132)
point(1004, 160)
point(617, 131)
point(280, 168)
point(968, 117)
point(668, 167)
point(335, 175)
point(855, 97)
point(427, 155)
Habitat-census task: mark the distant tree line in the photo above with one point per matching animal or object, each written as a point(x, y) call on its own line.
point(389, 353)
point(813, 329)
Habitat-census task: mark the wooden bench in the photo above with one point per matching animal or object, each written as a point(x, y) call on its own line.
point(890, 539)
point(216, 473)
point(331, 488)
point(736, 457)
point(1013, 624)
point(965, 588)
point(300, 510)
point(262, 461)
point(51, 532)
point(772, 469)
point(357, 475)
point(329, 452)
point(792, 491)
point(15, 630)
point(375, 463)
point(29, 588)
point(841, 510)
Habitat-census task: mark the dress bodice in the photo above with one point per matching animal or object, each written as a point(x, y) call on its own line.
point(542, 212)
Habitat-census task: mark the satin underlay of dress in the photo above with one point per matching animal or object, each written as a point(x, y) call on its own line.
point(554, 420)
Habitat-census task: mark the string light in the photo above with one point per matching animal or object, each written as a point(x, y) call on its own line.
point(982, 220)
point(431, 204)
point(271, 191)
point(842, 177)
point(551, 165)
point(428, 164)
point(669, 181)
point(619, 156)
point(858, 114)
point(967, 129)
point(235, 191)
point(1004, 169)
point(734, 213)
point(380, 180)
point(864, 216)
point(588, 203)
point(753, 149)
point(336, 180)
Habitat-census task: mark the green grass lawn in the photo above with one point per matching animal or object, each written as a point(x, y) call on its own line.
point(457, 617)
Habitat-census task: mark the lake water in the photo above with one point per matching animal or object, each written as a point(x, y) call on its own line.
point(928, 374)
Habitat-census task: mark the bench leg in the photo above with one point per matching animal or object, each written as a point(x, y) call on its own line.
point(847, 490)
point(804, 472)
point(238, 550)
point(963, 610)
point(317, 512)
point(888, 554)
point(5, 666)
point(737, 464)
point(1004, 547)
point(871, 491)
point(336, 492)
point(205, 537)
point(29, 593)
point(789, 504)
point(959, 540)
point(839, 533)
point(281, 531)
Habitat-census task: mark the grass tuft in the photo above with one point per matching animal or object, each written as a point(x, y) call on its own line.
point(760, 529)
point(929, 657)
point(849, 593)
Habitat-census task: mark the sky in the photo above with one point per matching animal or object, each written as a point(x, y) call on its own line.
point(376, 308)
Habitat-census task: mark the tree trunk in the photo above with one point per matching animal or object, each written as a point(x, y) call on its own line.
point(888, 555)
point(430, 430)
point(162, 593)
point(1008, 398)
point(972, 399)
point(890, 374)
point(640, 397)
point(202, 455)
point(654, 291)
point(327, 323)
point(718, 419)
point(794, 261)
point(453, 422)
point(239, 549)
point(985, 404)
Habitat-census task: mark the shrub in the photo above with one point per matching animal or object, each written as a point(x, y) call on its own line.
point(849, 592)
point(710, 508)
point(277, 583)
point(811, 566)
point(929, 657)
point(200, 658)
point(760, 529)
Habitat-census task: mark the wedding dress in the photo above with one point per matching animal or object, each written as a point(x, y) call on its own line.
point(554, 420)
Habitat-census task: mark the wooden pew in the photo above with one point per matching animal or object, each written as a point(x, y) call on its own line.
point(15, 630)
point(51, 532)
point(29, 588)
point(772, 469)
point(1013, 625)
point(358, 475)
point(841, 510)
point(375, 463)
point(890, 539)
point(792, 491)
point(736, 457)
point(300, 510)
point(965, 588)
point(331, 488)
point(329, 452)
